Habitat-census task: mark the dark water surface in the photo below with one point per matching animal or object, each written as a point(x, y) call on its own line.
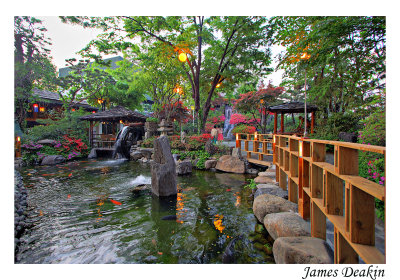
point(86, 212)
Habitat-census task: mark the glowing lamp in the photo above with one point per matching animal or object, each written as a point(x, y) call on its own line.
point(274, 139)
point(35, 108)
point(100, 101)
point(93, 112)
point(218, 85)
point(192, 107)
point(73, 109)
point(305, 56)
point(18, 139)
point(182, 57)
point(255, 135)
point(41, 109)
point(262, 101)
point(301, 149)
point(237, 136)
point(120, 121)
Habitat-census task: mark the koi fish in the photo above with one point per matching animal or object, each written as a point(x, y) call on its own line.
point(160, 253)
point(69, 196)
point(40, 213)
point(115, 202)
point(70, 174)
point(228, 190)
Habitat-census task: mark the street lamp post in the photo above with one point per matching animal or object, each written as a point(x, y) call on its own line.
point(192, 107)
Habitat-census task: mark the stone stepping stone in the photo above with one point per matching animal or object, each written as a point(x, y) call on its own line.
point(267, 174)
point(302, 250)
point(286, 224)
point(270, 189)
point(267, 204)
point(264, 180)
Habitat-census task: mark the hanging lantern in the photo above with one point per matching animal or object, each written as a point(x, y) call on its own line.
point(93, 112)
point(100, 101)
point(18, 139)
point(35, 108)
point(73, 109)
point(192, 107)
point(41, 109)
point(182, 57)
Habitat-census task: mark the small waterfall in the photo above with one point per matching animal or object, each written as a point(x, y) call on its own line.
point(227, 126)
point(119, 147)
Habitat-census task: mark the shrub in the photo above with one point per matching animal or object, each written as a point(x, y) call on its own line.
point(56, 129)
point(330, 128)
point(152, 119)
point(242, 128)
point(373, 130)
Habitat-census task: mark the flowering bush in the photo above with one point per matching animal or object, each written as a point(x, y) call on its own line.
point(244, 129)
point(71, 148)
point(373, 131)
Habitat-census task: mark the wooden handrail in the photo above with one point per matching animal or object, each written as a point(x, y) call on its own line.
point(323, 190)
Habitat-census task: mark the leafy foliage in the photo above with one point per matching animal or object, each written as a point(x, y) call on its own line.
point(242, 128)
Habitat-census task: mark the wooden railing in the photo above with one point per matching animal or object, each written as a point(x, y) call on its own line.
point(329, 191)
point(262, 144)
point(103, 140)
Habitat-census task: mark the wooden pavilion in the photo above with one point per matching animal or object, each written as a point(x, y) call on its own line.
point(107, 122)
point(292, 107)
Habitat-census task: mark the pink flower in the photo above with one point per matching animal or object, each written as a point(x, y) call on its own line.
point(383, 178)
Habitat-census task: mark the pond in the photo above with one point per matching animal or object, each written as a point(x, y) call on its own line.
point(86, 212)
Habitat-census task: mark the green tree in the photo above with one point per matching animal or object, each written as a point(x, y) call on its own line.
point(219, 49)
point(32, 63)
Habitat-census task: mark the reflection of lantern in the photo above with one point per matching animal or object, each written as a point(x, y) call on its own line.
point(41, 109)
point(182, 57)
point(35, 108)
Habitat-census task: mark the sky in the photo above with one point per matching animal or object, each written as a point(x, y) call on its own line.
point(68, 39)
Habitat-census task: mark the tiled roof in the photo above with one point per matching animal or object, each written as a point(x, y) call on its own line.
point(116, 113)
point(53, 97)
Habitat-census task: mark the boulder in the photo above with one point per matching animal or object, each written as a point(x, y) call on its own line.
point(270, 189)
point(266, 204)
point(286, 224)
point(47, 142)
point(52, 160)
point(210, 148)
point(348, 137)
point(136, 155)
point(230, 164)
point(183, 167)
point(267, 174)
point(163, 169)
point(302, 250)
point(264, 180)
point(252, 171)
point(211, 163)
point(176, 157)
point(146, 152)
point(237, 152)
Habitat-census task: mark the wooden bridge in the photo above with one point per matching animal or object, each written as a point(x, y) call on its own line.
point(325, 191)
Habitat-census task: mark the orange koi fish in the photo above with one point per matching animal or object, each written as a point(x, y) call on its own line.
point(115, 202)
point(70, 174)
point(69, 196)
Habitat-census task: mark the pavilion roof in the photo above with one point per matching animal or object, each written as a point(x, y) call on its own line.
point(292, 107)
point(115, 114)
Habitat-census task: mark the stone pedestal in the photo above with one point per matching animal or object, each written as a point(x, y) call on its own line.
point(151, 129)
point(165, 128)
point(163, 169)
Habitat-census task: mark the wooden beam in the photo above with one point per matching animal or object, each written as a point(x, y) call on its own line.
point(282, 123)
point(275, 122)
point(312, 121)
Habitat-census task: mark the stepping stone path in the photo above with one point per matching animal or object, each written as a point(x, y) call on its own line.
point(302, 250)
point(286, 224)
point(291, 233)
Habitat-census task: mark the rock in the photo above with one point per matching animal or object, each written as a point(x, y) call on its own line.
point(266, 204)
point(176, 157)
point(136, 155)
point(140, 188)
point(252, 171)
point(286, 224)
point(211, 163)
point(237, 152)
point(47, 142)
point(270, 189)
point(52, 160)
point(233, 250)
point(210, 148)
point(183, 167)
point(264, 180)
point(348, 137)
point(230, 164)
point(146, 152)
point(302, 250)
point(169, 218)
point(163, 169)
point(267, 174)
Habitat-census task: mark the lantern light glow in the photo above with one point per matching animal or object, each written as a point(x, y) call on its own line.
point(18, 139)
point(41, 109)
point(255, 135)
point(182, 57)
point(301, 149)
